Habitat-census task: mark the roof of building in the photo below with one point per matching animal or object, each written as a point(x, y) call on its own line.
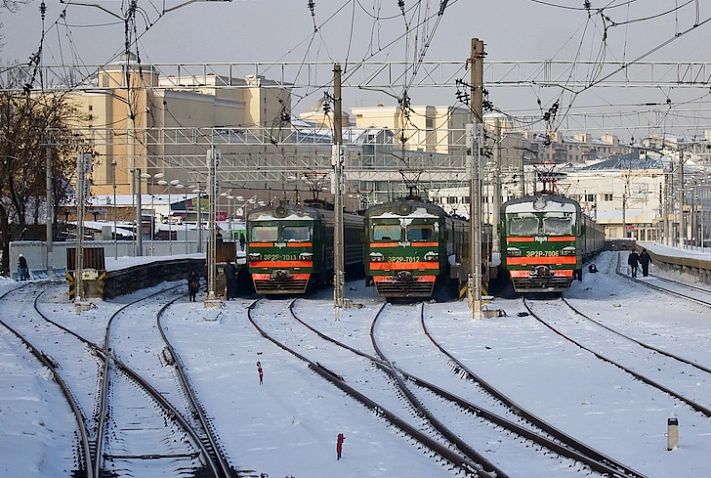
point(631, 160)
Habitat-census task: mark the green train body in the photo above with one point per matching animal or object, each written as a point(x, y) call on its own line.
point(545, 240)
point(290, 248)
point(411, 246)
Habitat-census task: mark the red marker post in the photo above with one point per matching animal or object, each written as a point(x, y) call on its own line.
point(339, 445)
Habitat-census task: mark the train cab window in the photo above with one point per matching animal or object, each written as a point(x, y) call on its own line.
point(386, 232)
point(296, 233)
point(557, 226)
point(264, 233)
point(523, 226)
point(420, 232)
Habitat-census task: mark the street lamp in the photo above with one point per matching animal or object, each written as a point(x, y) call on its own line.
point(171, 184)
point(153, 209)
point(199, 215)
point(252, 200)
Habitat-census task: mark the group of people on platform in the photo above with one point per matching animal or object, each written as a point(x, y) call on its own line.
point(635, 260)
point(232, 283)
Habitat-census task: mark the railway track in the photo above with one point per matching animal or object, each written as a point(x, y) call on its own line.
point(328, 359)
point(84, 445)
point(690, 292)
point(643, 361)
point(453, 417)
point(533, 442)
point(128, 425)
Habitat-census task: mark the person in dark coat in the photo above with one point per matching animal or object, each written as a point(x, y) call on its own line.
point(230, 280)
point(22, 268)
point(193, 284)
point(633, 262)
point(645, 260)
point(339, 445)
point(592, 268)
point(242, 241)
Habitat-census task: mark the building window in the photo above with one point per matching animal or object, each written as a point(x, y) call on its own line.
point(590, 197)
point(608, 197)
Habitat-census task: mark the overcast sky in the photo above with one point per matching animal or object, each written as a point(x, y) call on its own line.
point(352, 31)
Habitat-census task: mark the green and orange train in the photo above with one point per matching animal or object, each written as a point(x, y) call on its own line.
point(290, 247)
point(545, 240)
point(413, 249)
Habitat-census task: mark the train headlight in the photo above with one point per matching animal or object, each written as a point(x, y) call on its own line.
point(306, 256)
point(377, 257)
point(255, 256)
point(432, 256)
point(568, 251)
point(513, 252)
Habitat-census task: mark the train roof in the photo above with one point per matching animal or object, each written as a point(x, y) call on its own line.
point(295, 212)
point(405, 207)
point(541, 202)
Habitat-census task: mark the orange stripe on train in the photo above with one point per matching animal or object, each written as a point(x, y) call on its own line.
point(281, 264)
point(402, 266)
point(288, 244)
point(380, 279)
point(267, 277)
point(524, 261)
point(527, 274)
point(375, 245)
point(548, 239)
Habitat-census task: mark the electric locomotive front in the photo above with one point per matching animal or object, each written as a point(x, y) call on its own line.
point(406, 248)
point(541, 238)
point(287, 248)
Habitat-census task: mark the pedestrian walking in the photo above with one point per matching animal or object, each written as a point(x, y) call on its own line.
point(22, 268)
point(644, 261)
point(242, 241)
point(339, 445)
point(261, 373)
point(193, 284)
point(633, 262)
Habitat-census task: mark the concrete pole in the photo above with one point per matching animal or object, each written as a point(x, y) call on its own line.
point(139, 213)
point(199, 219)
point(82, 160)
point(113, 182)
point(211, 248)
point(624, 209)
point(477, 80)
point(339, 282)
point(50, 211)
point(497, 200)
point(682, 223)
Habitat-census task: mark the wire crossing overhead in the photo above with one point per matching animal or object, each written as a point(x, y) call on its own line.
point(569, 75)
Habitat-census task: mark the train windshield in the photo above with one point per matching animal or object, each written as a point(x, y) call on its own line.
point(420, 232)
point(523, 226)
point(386, 232)
point(296, 233)
point(264, 233)
point(557, 226)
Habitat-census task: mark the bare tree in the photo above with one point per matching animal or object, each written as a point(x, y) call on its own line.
point(33, 124)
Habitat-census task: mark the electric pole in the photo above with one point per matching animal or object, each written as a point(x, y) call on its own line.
point(496, 211)
point(50, 210)
point(473, 139)
point(338, 158)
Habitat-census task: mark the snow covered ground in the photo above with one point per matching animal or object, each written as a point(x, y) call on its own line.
point(288, 426)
